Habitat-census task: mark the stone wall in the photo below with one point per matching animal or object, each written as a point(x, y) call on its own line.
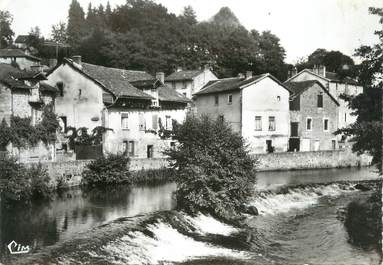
point(311, 160)
point(38, 153)
point(144, 163)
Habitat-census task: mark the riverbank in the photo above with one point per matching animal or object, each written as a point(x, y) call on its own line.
point(70, 172)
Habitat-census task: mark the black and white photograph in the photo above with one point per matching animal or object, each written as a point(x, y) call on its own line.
point(191, 132)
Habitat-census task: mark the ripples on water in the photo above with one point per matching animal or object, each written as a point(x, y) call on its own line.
point(297, 225)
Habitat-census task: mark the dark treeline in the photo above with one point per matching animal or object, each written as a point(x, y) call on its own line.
point(144, 35)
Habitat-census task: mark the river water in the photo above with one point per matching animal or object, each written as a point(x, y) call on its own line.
point(137, 225)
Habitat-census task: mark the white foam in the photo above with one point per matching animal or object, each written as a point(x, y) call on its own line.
point(295, 199)
point(168, 245)
point(208, 225)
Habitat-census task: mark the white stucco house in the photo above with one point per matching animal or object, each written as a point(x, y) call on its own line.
point(135, 105)
point(188, 82)
point(257, 107)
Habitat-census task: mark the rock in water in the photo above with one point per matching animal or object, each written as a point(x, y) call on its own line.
point(250, 210)
point(361, 187)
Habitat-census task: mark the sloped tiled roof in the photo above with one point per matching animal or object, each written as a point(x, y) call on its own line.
point(334, 77)
point(6, 77)
point(166, 93)
point(17, 53)
point(21, 39)
point(113, 80)
point(183, 75)
point(44, 87)
point(227, 84)
point(297, 88)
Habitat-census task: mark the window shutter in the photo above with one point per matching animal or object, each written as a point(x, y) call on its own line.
point(154, 121)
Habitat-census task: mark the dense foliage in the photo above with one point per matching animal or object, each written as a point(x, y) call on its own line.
point(6, 32)
point(363, 220)
point(335, 61)
point(19, 183)
point(144, 35)
point(22, 133)
point(215, 173)
point(367, 130)
point(112, 169)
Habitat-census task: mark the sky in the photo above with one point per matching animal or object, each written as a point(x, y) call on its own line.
point(302, 25)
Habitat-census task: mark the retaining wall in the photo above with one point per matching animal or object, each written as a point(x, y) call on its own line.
point(311, 160)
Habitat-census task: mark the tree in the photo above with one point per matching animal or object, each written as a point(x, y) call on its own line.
point(367, 130)
point(215, 173)
point(76, 24)
point(189, 16)
point(6, 32)
point(59, 33)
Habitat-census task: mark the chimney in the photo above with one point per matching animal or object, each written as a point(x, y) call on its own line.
point(322, 70)
point(77, 59)
point(161, 76)
point(240, 75)
point(206, 67)
point(179, 69)
point(52, 62)
point(294, 71)
point(249, 74)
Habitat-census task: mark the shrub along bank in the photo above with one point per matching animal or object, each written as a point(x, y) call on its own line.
point(19, 183)
point(114, 169)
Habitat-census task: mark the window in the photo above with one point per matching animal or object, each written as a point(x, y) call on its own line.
point(63, 123)
point(229, 99)
point(154, 122)
point(79, 93)
point(320, 101)
point(221, 118)
point(184, 85)
point(168, 123)
point(279, 98)
point(325, 124)
point(271, 123)
point(345, 117)
point(142, 122)
point(124, 121)
point(174, 85)
point(184, 94)
point(172, 145)
point(129, 148)
point(258, 123)
point(149, 151)
point(216, 100)
point(60, 86)
point(308, 124)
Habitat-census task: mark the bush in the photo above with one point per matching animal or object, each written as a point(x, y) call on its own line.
point(20, 184)
point(363, 221)
point(112, 169)
point(215, 173)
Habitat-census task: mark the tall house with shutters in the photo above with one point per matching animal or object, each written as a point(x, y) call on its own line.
point(137, 107)
point(313, 117)
point(257, 107)
point(335, 85)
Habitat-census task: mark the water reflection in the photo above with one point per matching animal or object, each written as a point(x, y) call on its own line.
point(275, 179)
point(74, 211)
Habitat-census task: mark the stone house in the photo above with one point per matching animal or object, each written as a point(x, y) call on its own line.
point(188, 82)
point(135, 105)
point(23, 60)
point(21, 41)
point(313, 117)
point(257, 107)
point(24, 94)
point(336, 86)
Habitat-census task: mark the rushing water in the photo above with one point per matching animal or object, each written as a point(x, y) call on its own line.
point(136, 225)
